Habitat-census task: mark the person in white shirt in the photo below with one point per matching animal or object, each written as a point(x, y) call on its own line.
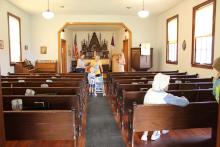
point(158, 95)
point(80, 68)
point(121, 62)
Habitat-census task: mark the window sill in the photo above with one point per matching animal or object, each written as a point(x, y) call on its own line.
point(171, 62)
point(205, 66)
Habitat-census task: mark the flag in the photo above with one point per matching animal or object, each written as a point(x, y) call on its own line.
point(75, 48)
point(113, 42)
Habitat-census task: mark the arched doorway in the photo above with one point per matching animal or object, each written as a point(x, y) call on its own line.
point(126, 47)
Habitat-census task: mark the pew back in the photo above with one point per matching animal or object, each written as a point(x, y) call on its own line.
point(159, 117)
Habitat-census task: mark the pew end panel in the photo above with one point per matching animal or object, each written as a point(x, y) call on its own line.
point(40, 125)
point(159, 117)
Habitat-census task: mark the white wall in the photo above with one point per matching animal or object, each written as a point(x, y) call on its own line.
point(184, 10)
point(6, 7)
point(45, 32)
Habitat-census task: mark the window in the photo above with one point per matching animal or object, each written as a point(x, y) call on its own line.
point(172, 40)
point(14, 30)
point(203, 34)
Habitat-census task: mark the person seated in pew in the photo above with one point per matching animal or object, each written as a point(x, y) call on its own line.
point(216, 84)
point(158, 95)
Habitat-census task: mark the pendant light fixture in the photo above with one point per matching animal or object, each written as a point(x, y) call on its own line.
point(143, 13)
point(48, 14)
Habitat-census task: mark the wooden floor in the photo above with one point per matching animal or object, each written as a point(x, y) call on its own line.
point(180, 138)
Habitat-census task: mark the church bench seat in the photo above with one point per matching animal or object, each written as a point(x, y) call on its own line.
point(38, 84)
point(130, 97)
point(40, 125)
point(159, 117)
point(42, 91)
point(114, 83)
point(41, 79)
point(48, 102)
point(44, 76)
point(173, 86)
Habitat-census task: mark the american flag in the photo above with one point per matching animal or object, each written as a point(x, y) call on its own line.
point(75, 48)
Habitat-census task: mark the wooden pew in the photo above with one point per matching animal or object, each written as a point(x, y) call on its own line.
point(38, 84)
point(112, 86)
point(44, 76)
point(130, 97)
point(41, 79)
point(49, 102)
point(154, 117)
point(40, 125)
point(111, 74)
point(42, 91)
point(173, 86)
point(142, 76)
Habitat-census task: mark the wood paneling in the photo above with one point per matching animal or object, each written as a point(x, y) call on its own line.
point(2, 134)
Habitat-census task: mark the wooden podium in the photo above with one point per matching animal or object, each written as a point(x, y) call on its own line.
point(141, 62)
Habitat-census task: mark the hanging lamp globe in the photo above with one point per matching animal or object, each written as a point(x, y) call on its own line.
point(143, 13)
point(48, 14)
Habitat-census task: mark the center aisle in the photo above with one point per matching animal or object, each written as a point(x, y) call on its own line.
point(101, 128)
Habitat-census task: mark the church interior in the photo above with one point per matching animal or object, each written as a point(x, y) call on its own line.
point(119, 73)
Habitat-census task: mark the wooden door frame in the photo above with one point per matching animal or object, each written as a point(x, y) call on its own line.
point(63, 40)
point(93, 23)
point(127, 54)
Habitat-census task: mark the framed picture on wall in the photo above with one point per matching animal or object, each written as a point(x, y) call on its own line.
point(1, 44)
point(43, 50)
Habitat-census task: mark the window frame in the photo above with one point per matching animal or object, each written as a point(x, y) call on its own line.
point(19, 20)
point(193, 57)
point(167, 42)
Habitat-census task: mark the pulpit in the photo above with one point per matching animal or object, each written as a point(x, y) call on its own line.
point(141, 62)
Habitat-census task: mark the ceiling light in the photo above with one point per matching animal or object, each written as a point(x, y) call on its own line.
point(143, 13)
point(48, 14)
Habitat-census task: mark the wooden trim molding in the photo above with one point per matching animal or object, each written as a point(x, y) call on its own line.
point(19, 20)
point(2, 129)
point(93, 23)
point(207, 66)
point(167, 48)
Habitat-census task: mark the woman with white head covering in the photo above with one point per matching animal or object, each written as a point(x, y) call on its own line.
point(121, 62)
point(216, 84)
point(158, 95)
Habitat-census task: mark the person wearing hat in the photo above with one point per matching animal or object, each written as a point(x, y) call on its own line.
point(158, 95)
point(216, 84)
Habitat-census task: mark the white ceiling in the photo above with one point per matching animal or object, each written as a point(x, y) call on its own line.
point(95, 7)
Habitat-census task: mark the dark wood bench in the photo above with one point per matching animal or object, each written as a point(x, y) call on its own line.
point(173, 86)
point(130, 97)
point(38, 84)
point(48, 102)
point(44, 76)
point(159, 117)
point(42, 91)
point(4, 80)
point(112, 86)
point(40, 125)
